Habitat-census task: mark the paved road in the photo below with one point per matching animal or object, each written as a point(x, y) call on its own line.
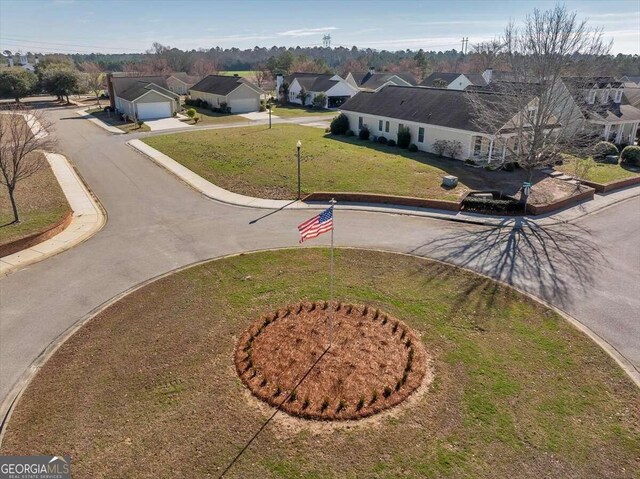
point(156, 223)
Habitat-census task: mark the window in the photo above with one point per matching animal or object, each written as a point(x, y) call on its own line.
point(592, 97)
point(386, 127)
point(420, 135)
point(379, 125)
point(604, 96)
point(360, 123)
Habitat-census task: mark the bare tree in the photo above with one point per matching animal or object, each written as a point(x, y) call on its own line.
point(261, 75)
point(204, 66)
point(94, 77)
point(487, 54)
point(525, 111)
point(22, 135)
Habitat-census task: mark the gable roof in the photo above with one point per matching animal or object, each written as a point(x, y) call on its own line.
point(574, 83)
point(448, 77)
point(122, 83)
point(189, 80)
point(433, 106)
point(374, 81)
point(631, 78)
point(476, 78)
point(318, 82)
point(609, 111)
point(140, 88)
point(223, 84)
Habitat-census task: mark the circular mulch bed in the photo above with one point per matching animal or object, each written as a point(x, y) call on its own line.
point(375, 362)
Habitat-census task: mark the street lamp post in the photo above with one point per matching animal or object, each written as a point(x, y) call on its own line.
point(269, 105)
point(298, 145)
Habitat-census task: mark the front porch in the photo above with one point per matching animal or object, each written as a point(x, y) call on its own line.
point(491, 150)
point(618, 132)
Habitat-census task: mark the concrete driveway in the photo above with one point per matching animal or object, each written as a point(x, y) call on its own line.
point(258, 115)
point(165, 124)
point(157, 223)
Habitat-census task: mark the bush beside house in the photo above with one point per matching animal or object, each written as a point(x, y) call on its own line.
point(604, 149)
point(631, 155)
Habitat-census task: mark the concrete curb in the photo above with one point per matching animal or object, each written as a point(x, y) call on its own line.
point(100, 123)
point(8, 404)
point(88, 218)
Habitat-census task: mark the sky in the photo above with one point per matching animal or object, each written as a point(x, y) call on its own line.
point(116, 26)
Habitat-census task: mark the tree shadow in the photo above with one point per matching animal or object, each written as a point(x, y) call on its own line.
point(549, 261)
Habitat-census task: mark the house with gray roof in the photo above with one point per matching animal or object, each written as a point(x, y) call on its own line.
point(453, 81)
point(239, 94)
point(372, 81)
point(180, 82)
point(433, 114)
point(334, 87)
point(142, 97)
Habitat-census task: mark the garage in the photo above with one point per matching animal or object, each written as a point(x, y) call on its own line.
point(149, 111)
point(244, 105)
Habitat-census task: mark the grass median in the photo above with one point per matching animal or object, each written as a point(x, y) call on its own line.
point(149, 384)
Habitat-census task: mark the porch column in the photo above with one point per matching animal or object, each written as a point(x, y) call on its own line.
point(607, 128)
point(490, 149)
point(619, 133)
point(504, 150)
point(634, 132)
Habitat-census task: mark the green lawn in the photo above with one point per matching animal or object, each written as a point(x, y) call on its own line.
point(259, 161)
point(41, 204)
point(517, 391)
point(289, 111)
point(241, 73)
point(597, 172)
point(112, 119)
point(208, 117)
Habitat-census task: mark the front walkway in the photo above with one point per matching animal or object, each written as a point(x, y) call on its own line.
point(165, 124)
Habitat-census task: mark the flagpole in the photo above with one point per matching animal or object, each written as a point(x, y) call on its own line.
point(333, 202)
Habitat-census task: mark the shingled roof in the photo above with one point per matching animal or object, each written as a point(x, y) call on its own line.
point(374, 81)
point(446, 76)
point(317, 82)
point(139, 88)
point(609, 111)
point(123, 81)
point(432, 106)
point(222, 84)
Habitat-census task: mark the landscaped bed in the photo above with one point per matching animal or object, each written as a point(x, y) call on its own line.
point(150, 385)
point(41, 205)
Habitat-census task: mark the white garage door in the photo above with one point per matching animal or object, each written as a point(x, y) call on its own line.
point(244, 105)
point(149, 111)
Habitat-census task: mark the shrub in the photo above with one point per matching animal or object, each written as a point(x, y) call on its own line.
point(439, 146)
point(360, 404)
point(413, 148)
point(196, 119)
point(631, 155)
point(197, 102)
point(404, 137)
point(305, 403)
point(349, 133)
point(491, 205)
point(510, 166)
point(262, 108)
point(604, 149)
point(391, 143)
point(341, 405)
point(224, 108)
point(382, 140)
point(364, 133)
point(454, 149)
point(387, 391)
point(191, 113)
point(174, 114)
point(205, 104)
point(140, 123)
point(325, 404)
point(319, 100)
point(340, 124)
point(374, 396)
point(293, 396)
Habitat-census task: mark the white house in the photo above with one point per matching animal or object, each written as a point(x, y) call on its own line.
point(335, 88)
point(142, 97)
point(180, 82)
point(372, 81)
point(453, 81)
point(239, 94)
point(430, 114)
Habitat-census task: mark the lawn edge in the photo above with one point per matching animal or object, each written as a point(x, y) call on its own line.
point(15, 393)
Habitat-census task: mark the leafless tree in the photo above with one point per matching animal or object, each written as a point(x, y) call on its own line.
point(487, 54)
point(23, 133)
point(261, 75)
point(526, 109)
point(94, 77)
point(204, 66)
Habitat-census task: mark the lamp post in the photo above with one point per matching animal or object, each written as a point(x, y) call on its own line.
point(269, 104)
point(298, 145)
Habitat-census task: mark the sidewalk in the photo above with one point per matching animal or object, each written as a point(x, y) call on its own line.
point(224, 196)
point(87, 219)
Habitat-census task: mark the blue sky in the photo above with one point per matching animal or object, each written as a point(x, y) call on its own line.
point(113, 26)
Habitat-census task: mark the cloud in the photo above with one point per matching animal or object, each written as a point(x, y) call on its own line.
point(305, 32)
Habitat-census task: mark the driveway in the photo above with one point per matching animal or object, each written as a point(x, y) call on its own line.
point(156, 223)
point(165, 124)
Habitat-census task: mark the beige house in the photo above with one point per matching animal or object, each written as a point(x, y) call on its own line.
point(142, 97)
point(180, 82)
point(239, 94)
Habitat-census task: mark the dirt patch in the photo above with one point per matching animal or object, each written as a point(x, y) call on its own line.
point(375, 361)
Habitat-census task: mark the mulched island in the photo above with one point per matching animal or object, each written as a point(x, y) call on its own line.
point(374, 363)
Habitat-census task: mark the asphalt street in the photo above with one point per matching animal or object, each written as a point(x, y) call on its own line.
point(156, 223)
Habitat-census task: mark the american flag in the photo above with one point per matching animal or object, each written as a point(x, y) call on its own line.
point(317, 225)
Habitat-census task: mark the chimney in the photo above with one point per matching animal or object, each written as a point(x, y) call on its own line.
point(112, 97)
point(10, 61)
point(488, 73)
point(372, 70)
point(37, 60)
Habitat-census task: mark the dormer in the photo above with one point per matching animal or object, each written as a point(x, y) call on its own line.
point(618, 97)
point(604, 94)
